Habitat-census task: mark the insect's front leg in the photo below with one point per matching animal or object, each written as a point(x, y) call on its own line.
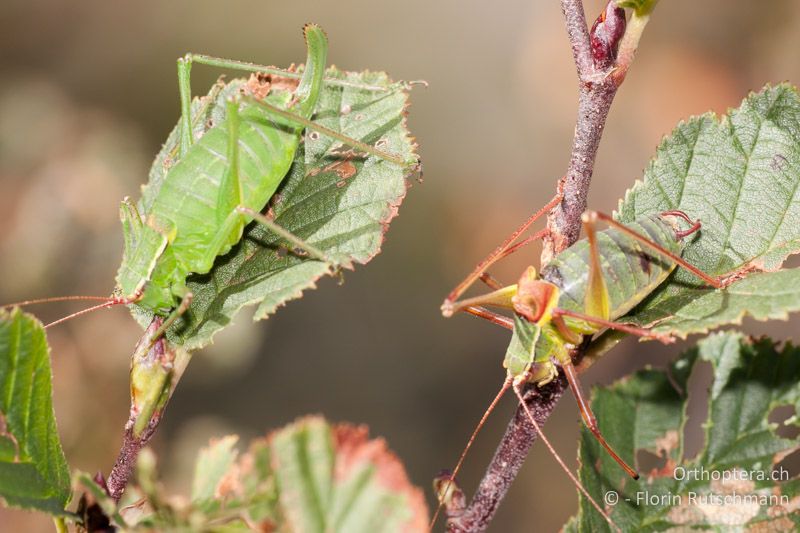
point(449, 306)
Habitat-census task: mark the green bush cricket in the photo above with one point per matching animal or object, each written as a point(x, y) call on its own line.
point(580, 292)
point(218, 178)
point(218, 169)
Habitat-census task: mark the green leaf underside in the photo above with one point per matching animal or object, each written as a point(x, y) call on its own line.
point(33, 470)
point(740, 175)
point(308, 477)
point(648, 411)
point(338, 200)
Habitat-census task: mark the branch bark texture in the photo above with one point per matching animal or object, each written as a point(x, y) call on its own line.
point(598, 84)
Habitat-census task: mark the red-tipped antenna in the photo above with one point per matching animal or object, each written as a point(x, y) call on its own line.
point(503, 389)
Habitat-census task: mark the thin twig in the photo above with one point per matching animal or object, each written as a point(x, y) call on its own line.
point(164, 365)
point(597, 90)
point(578, 33)
point(128, 454)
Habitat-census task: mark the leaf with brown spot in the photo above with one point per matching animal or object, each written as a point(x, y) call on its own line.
point(740, 175)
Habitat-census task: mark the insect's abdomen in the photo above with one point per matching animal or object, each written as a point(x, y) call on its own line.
point(631, 270)
point(189, 197)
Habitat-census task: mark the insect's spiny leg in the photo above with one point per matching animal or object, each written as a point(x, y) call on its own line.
point(313, 251)
point(524, 242)
point(596, 300)
point(185, 89)
point(558, 459)
point(494, 318)
point(230, 188)
point(588, 416)
point(481, 422)
point(714, 282)
point(499, 252)
point(625, 328)
point(309, 124)
point(253, 67)
point(186, 301)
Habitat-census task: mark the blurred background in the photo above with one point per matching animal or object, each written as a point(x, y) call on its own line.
point(89, 93)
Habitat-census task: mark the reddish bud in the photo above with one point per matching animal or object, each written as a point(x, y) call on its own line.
point(606, 34)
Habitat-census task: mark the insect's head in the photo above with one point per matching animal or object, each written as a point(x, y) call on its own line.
point(674, 217)
point(535, 298)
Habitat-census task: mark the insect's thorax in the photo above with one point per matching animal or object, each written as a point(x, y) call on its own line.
point(631, 270)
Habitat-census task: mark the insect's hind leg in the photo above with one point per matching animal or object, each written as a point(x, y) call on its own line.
point(596, 299)
point(588, 416)
point(185, 89)
point(231, 202)
point(714, 282)
point(333, 134)
point(246, 66)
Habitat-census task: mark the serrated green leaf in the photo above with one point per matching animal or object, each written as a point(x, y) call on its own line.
point(763, 296)
point(740, 175)
point(308, 476)
point(335, 199)
point(648, 412)
point(33, 470)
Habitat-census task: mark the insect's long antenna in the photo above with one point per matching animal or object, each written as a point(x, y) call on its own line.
point(57, 299)
point(76, 314)
point(560, 461)
point(110, 302)
point(452, 477)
